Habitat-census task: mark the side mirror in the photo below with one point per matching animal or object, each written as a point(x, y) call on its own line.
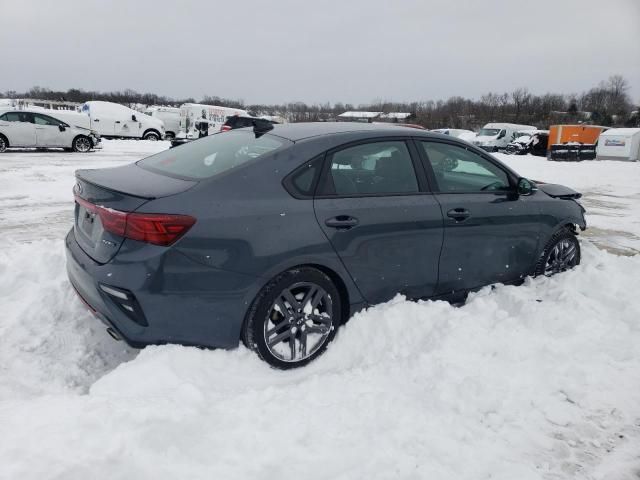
point(133, 117)
point(502, 134)
point(526, 187)
point(62, 128)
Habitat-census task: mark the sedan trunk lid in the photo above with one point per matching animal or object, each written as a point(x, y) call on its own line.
point(102, 194)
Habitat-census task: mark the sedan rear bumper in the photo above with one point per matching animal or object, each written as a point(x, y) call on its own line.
point(166, 298)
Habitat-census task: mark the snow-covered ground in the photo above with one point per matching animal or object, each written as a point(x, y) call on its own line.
point(540, 381)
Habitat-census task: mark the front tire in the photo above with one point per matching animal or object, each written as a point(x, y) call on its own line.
point(294, 318)
point(561, 253)
point(82, 144)
point(4, 144)
point(153, 136)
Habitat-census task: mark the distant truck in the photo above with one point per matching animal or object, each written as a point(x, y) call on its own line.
point(494, 137)
point(197, 120)
point(170, 116)
point(573, 142)
point(112, 120)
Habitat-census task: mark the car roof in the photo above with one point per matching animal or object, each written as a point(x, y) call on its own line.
point(300, 131)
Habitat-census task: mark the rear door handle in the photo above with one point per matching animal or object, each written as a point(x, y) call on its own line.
point(341, 222)
point(459, 214)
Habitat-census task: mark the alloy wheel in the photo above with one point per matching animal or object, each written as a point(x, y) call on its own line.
point(299, 322)
point(83, 144)
point(3, 145)
point(562, 257)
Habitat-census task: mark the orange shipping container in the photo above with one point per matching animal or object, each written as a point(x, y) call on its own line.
point(583, 134)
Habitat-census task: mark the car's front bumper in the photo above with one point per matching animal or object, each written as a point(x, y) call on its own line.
point(182, 301)
point(97, 142)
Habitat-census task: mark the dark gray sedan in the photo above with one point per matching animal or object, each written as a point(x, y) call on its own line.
point(276, 237)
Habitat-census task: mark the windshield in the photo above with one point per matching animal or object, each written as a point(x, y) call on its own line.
point(212, 155)
point(488, 132)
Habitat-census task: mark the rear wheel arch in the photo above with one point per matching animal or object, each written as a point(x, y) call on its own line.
point(292, 320)
point(334, 276)
point(340, 286)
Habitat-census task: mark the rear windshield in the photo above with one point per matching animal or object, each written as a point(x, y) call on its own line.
point(212, 155)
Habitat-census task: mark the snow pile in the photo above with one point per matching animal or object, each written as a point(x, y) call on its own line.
point(534, 382)
point(537, 381)
point(50, 342)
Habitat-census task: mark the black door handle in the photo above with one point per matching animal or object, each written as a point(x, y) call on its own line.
point(117, 121)
point(341, 222)
point(459, 214)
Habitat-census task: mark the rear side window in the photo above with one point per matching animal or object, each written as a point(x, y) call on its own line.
point(212, 155)
point(372, 169)
point(18, 117)
point(302, 181)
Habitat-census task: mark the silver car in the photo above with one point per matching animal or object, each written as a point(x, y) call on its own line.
point(30, 128)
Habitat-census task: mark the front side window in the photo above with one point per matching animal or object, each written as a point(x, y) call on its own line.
point(372, 168)
point(212, 155)
point(45, 120)
point(458, 170)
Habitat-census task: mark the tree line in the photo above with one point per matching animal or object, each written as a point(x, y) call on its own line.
point(608, 104)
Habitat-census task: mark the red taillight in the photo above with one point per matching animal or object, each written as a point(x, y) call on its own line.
point(156, 228)
point(225, 128)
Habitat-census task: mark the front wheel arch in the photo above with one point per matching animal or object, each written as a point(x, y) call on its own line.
point(6, 142)
point(566, 231)
point(151, 131)
point(76, 138)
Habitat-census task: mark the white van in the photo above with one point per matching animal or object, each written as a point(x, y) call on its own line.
point(169, 115)
point(112, 120)
point(496, 136)
point(619, 144)
point(208, 119)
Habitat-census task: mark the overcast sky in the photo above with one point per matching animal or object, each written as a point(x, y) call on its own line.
point(334, 50)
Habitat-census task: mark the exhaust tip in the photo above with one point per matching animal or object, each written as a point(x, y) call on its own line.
point(112, 333)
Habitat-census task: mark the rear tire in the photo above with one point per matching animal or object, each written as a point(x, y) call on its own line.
point(152, 136)
point(4, 144)
point(561, 253)
point(294, 318)
point(82, 144)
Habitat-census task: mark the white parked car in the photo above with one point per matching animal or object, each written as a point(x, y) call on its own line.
point(112, 120)
point(30, 128)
